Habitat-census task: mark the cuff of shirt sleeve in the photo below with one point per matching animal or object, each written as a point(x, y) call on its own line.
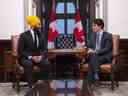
point(29, 57)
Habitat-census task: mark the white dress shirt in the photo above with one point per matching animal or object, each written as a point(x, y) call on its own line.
point(32, 33)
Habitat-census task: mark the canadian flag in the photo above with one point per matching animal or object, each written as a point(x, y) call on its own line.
point(79, 32)
point(52, 32)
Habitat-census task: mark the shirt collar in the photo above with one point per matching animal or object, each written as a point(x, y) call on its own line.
point(32, 33)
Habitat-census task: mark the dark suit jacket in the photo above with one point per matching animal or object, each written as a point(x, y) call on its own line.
point(105, 53)
point(26, 46)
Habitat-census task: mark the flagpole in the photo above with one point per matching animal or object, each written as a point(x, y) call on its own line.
point(77, 4)
point(53, 5)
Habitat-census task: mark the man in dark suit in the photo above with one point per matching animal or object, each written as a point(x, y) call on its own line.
point(31, 49)
point(100, 49)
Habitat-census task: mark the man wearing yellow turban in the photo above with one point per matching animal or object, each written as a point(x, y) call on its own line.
point(31, 49)
point(33, 21)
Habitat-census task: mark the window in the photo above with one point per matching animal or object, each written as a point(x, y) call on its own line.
point(60, 8)
point(70, 8)
point(60, 25)
point(65, 11)
point(70, 25)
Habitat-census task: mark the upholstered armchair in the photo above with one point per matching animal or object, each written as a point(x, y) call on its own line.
point(112, 68)
point(18, 69)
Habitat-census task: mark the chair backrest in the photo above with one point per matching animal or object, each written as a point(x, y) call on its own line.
point(65, 41)
point(14, 41)
point(116, 40)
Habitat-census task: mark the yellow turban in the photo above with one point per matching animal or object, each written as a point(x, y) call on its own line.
point(33, 21)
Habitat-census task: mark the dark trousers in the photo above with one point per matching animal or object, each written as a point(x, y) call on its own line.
point(93, 66)
point(28, 66)
point(94, 62)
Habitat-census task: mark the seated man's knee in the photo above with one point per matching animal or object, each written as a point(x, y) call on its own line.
point(27, 63)
point(45, 61)
point(93, 56)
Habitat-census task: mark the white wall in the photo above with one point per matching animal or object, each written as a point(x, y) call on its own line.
point(11, 18)
point(118, 17)
point(99, 8)
point(29, 9)
point(115, 15)
point(12, 13)
point(101, 11)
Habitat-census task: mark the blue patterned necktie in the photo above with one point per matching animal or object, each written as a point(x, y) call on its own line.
point(98, 40)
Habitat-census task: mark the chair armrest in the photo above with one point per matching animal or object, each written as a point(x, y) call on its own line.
point(115, 59)
point(115, 62)
point(116, 55)
point(15, 63)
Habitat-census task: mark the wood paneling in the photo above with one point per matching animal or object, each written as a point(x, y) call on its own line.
point(4, 45)
point(123, 66)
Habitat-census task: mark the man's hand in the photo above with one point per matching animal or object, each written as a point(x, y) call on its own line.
point(37, 59)
point(90, 51)
point(34, 59)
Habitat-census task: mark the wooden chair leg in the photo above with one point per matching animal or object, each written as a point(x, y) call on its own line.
point(18, 86)
point(112, 81)
point(14, 81)
point(17, 83)
point(117, 79)
point(117, 83)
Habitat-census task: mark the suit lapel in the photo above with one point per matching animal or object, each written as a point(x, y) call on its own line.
point(94, 40)
point(102, 40)
point(30, 38)
point(40, 39)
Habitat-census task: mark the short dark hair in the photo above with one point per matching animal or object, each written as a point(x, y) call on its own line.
point(99, 22)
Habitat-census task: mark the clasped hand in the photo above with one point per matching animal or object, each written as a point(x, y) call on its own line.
point(90, 50)
point(37, 59)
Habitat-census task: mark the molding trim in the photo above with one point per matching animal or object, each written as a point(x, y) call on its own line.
point(101, 10)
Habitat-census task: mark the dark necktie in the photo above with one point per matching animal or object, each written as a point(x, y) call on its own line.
point(36, 39)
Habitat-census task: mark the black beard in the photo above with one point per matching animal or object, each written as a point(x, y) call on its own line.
point(37, 30)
